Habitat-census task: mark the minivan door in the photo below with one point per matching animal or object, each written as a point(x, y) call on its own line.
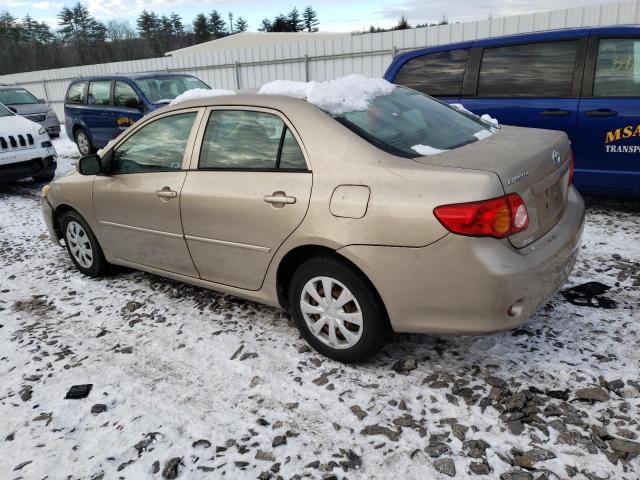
point(531, 85)
point(97, 115)
point(248, 189)
point(127, 108)
point(608, 146)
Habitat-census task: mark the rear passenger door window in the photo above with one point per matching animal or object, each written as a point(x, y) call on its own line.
point(437, 74)
point(617, 71)
point(243, 139)
point(99, 93)
point(532, 70)
point(75, 95)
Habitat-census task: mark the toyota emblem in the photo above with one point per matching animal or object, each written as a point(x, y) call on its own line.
point(555, 156)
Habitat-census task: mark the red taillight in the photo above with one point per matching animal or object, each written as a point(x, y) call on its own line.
point(497, 217)
point(571, 167)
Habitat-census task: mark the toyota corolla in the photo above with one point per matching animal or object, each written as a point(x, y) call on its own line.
point(363, 207)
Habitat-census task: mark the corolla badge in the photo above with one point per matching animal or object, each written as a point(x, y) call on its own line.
point(555, 156)
point(517, 178)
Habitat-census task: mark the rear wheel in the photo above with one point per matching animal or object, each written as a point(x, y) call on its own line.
point(337, 311)
point(82, 245)
point(84, 142)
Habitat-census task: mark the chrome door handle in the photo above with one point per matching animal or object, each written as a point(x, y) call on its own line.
point(166, 193)
point(279, 199)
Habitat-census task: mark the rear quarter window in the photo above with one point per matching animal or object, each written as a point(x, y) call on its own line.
point(437, 74)
point(617, 68)
point(75, 95)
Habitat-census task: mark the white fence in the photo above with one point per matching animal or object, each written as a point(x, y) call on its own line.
point(368, 54)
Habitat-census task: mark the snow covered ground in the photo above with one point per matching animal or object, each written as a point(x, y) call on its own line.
point(228, 389)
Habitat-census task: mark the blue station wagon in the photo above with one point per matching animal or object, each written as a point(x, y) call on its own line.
point(583, 81)
point(98, 109)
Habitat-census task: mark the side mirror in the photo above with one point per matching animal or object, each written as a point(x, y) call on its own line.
point(90, 165)
point(42, 100)
point(13, 109)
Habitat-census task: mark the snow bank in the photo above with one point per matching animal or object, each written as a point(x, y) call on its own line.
point(346, 94)
point(200, 93)
point(486, 117)
point(427, 150)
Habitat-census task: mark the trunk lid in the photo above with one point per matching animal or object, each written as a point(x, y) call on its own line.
point(533, 163)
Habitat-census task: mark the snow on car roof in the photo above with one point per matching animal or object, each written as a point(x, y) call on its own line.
point(196, 93)
point(345, 94)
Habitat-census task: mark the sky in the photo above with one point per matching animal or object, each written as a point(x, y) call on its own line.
point(334, 15)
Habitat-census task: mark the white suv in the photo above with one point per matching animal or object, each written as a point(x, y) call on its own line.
point(25, 149)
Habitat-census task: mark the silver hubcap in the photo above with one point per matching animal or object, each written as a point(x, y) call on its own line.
point(331, 312)
point(83, 143)
point(79, 244)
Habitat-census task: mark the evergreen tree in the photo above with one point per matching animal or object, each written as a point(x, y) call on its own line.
point(165, 27)
point(280, 24)
point(177, 28)
point(216, 25)
point(266, 26)
point(9, 27)
point(403, 24)
point(32, 31)
point(310, 19)
point(201, 28)
point(148, 25)
point(296, 23)
point(241, 25)
point(230, 23)
point(79, 25)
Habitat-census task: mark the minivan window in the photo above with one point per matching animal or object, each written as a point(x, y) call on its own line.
point(405, 118)
point(16, 96)
point(532, 70)
point(617, 68)
point(125, 96)
point(164, 89)
point(75, 95)
point(242, 139)
point(439, 74)
point(99, 93)
point(157, 147)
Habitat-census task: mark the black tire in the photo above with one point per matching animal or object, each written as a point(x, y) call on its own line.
point(375, 323)
point(45, 177)
point(83, 142)
point(98, 265)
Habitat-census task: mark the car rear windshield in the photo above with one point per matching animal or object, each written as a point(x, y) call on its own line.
point(16, 96)
point(404, 119)
point(165, 89)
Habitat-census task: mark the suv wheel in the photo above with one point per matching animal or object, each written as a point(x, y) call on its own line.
point(84, 143)
point(82, 245)
point(337, 311)
point(45, 177)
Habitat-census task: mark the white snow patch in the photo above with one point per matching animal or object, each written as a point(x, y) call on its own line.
point(482, 134)
point(485, 116)
point(427, 150)
point(345, 94)
point(200, 93)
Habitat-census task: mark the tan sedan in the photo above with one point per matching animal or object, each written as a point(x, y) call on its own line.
point(404, 215)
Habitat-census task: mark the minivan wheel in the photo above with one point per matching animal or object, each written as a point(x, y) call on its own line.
point(337, 311)
point(84, 143)
point(82, 245)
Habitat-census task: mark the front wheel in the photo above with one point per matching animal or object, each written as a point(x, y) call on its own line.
point(82, 245)
point(337, 311)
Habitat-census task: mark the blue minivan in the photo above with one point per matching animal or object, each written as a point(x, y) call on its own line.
point(585, 81)
point(98, 109)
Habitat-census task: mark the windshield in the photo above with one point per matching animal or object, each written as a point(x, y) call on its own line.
point(165, 89)
point(15, 96)
point(410, 124)
point(4, 111)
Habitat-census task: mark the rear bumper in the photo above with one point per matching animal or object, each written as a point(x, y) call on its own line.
point(27, 168)
point(468, 285)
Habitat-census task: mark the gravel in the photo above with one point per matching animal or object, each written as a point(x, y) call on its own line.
point(189, 383)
